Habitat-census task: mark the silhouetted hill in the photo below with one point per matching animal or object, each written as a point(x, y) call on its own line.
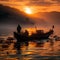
point(10, 15)
point(51, 17)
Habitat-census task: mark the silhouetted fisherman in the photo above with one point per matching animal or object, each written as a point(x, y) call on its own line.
point(53, 26)
point(18, 28)
point(18, 36)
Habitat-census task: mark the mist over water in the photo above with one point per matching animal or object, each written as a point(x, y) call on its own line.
point(9, 29)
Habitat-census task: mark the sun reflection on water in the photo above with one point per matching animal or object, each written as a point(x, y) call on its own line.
point(33, 50)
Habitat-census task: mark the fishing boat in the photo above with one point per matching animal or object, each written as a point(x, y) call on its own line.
point(34, 36)
point(41, 35)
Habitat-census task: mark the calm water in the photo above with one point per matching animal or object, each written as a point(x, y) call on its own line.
point(34, 51)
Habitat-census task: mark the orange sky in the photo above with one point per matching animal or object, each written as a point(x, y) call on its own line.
point(37, 6)
point(34, 5)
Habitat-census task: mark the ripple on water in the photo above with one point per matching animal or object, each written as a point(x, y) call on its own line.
point(33, 52)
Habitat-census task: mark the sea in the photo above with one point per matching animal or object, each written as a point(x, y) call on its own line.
point(35, 50)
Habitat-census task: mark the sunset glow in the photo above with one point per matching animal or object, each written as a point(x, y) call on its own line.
point(29, 29)
point(28, 10)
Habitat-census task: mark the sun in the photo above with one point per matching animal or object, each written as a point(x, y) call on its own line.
point(28, 10)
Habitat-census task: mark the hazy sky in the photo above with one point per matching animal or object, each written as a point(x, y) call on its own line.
point(35, 5)
point(45, 12)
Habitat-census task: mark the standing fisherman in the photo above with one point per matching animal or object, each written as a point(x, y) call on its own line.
point(18, 28)
point(18, 36)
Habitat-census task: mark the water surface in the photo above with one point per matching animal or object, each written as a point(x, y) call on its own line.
point(34, 51)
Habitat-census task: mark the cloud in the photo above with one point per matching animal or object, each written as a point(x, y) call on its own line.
point(4, 0)
point(56, 0)
point(38, 3)
point(32, 2)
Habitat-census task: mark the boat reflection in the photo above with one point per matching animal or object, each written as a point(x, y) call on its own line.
point(35, 50)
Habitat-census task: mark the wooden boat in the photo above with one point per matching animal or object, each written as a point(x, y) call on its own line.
point(21, 37)
point(35, 36)
point(41, 35)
